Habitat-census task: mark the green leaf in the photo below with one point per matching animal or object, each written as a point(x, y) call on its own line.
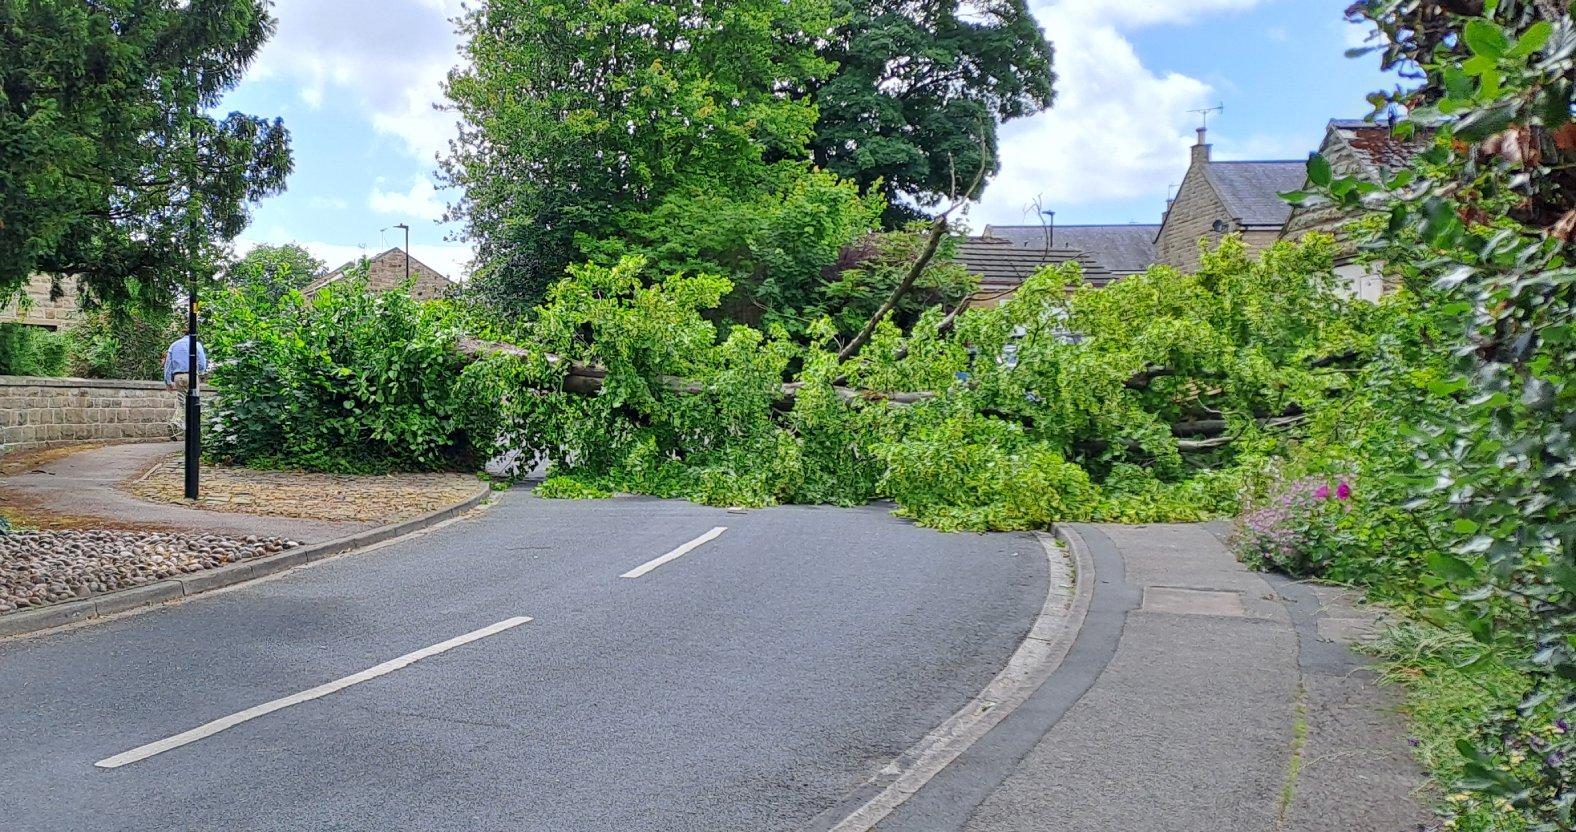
point(1478, 65)
point(1457, 84)
point(1485, 37)
point(1449, 567)
point(1319, 170)
point(1535, 38)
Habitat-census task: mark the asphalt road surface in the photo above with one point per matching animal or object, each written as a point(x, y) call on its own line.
point(747, 683)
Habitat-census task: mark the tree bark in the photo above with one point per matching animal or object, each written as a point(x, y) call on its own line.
point(938, 230)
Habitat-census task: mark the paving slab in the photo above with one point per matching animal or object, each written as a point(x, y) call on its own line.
point(1231, 701)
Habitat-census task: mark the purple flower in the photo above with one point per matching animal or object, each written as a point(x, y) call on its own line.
point(1323, 492)
point(1413, 741)
point(1343, 491)
point(1562, 726)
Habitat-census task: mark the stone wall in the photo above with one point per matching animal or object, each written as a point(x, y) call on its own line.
point(388, 272)
point(36, 309)
point(44, 412)
point(1191, 217)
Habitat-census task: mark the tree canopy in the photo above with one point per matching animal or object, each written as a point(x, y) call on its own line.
point(919, 91)
point(575, 115)
point(273, 270)
point(103, 135)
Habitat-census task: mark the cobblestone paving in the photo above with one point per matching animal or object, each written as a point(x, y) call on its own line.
point(383, 499)
point(39, 568)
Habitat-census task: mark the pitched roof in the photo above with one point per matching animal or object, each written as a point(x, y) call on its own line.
point(1119, 249)
point(1375, 146)
point(417, 268)
point(1000, 264)
point(1251, 190)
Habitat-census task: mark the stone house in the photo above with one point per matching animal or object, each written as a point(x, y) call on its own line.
point(387, 271)
point(1226, 197)
point(1369, 151)
point(1216, 198)
point(35, 308)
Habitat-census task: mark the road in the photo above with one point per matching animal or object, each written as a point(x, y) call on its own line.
point(749, 683)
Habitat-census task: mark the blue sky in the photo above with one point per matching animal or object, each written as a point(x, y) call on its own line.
point(356, 80)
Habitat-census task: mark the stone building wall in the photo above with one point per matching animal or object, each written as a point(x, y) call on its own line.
point(1191, 217)
point(1328, 218)
point(388, 272)
point(45, 412)
point(41, 311)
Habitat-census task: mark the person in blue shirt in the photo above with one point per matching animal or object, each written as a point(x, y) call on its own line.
point(176, 371)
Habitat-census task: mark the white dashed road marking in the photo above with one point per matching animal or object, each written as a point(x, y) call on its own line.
point(145, 751)
point(676, 553)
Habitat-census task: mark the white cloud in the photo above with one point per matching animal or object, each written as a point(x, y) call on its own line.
point(420, 202)
point(452, 260)
point(385, 59)
point(1118, 130)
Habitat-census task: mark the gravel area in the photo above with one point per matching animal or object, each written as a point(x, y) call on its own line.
point(306, 495)
point(40, 568)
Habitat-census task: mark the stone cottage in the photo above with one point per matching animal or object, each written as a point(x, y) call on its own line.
point(387, 271)
point(1369, 151)
point(1216, 198)
point(1226, 197)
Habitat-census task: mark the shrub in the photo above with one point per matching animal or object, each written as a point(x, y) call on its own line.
point(123, 343)
point(349, 381)
point(31, 351)
point(1297, 531)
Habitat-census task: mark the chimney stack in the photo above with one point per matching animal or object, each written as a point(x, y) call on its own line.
point(1201, 150)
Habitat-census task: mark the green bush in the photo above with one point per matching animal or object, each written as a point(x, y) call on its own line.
point(348, 381)
point(31, 351)
point(123, 343)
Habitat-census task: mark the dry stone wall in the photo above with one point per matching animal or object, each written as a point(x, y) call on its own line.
point(45, 412)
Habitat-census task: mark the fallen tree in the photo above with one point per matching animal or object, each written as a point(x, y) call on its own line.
point(625, 382)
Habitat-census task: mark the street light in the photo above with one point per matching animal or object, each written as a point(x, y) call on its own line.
point(193, 403)
point(407, 250)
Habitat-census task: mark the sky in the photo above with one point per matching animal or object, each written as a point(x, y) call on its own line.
point(358, 82)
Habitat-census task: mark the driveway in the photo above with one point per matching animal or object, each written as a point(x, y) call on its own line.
point(671, 677)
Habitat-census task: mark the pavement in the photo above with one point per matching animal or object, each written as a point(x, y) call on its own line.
point(1198, 696)
point(85, 487)
point(673, 676)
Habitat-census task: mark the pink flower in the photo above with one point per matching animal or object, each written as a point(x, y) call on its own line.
point(1343, 491)
point(1323, 492)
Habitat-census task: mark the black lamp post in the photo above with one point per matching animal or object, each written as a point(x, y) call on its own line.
point(407, 250)
point(193, 402)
